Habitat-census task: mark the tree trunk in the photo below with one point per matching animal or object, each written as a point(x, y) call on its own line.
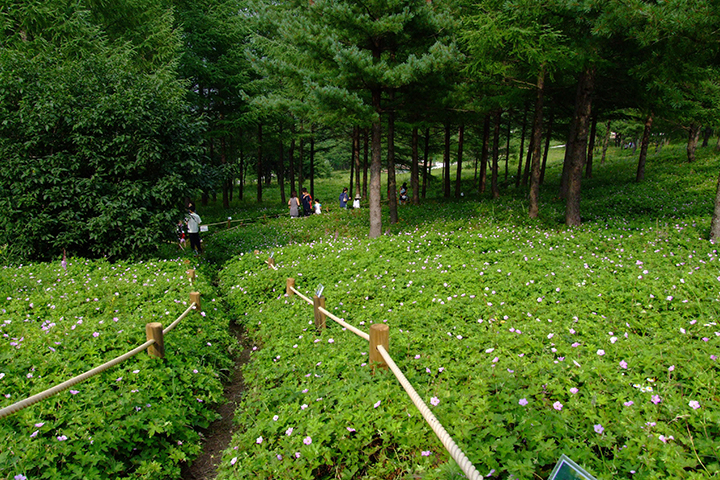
point(693, 138)
point(241, 182)
point(707, 132)
point(414, 169)
point(643, 149)
point(606, 141)
point(458, 176)
point(494, 187)
point(392, 185)
point(281, 166)
point(259, 165)
point(715, 223)
point(484, 152)
point(291, 159)
point(569, 147)
point(446, 162)
point(591, 147)
point(536, 141)
point(528, 158)
point(426, 155)
point(365, 163)
point(356, 161)
point(547, 145)
point(583, 104)
point(301, 179)
point(223, 160)
point(375, 168)
point(507, 145)
point(312, 162)
point(354, 155)
point(522, 148)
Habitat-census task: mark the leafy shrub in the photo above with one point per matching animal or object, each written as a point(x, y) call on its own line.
point(136, 420)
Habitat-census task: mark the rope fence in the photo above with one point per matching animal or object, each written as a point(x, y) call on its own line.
point(155, 346)
point(379, 356)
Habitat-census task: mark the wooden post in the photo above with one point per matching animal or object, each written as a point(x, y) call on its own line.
point(154, 331)
point(319, 316)
point(271, 262)
point(229, 218)
point(289, 285)
point(191, 274)
point(379, 335)
point(195, 297)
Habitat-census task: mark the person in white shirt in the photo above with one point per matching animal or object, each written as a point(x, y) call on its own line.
point(356, 202)
point(193, 222)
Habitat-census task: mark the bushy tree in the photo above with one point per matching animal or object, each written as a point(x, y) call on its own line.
point(98, 149)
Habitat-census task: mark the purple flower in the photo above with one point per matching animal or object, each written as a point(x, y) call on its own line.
point(573, 390)
point(232, 462)
point(558, 406)
point(275, 418)
point(303, 406)
point(601, 352)
point(599, 428)
point(655, 399)
point(307, 440)
point(628, 403)
point(297, 454)
point(377, 404)
point(259, 440)
point(350, 429)
point(62, 438)
point(20, 476)
point(523, 402)
point(671, 368)
point(425, 453)
point(331, 341)
point(434, 401)
point(96, 334)
point(623, 364)
point(694, 404)
point(289, 431)
point(34, 434)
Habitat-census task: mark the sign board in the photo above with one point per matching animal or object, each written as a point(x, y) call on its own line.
point(319, 290)
point(203, 228)
point(566, 469)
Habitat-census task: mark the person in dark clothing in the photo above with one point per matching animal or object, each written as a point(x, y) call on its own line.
point(307, 203)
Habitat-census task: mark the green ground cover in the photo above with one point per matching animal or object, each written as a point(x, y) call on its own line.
point(135, 420)
point(528, 339)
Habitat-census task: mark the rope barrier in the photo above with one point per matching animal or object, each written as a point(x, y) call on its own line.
point(301, 295)
point(455, 452)
point(22, 404)
point(467, 467)
point(183, 315)
point(15, 407)
point(356, 331)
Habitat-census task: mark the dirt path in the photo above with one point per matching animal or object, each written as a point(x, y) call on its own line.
point(218, 435)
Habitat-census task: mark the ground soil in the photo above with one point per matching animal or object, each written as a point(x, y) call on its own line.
point(217, 436)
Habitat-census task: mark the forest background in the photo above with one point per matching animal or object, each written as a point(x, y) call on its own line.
point(114, 114)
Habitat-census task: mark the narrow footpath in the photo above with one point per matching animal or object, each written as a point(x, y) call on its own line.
point(217, 436)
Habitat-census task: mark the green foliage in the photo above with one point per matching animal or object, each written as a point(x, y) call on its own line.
point(97, 153)
point(528, 340)
point(140, 418)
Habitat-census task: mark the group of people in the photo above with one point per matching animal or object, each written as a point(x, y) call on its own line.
point(305, 206)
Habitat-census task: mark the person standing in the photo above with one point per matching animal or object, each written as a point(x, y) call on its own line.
point(344, 198)
point(294, 204)
point(193, 222)
point(356, 202)
point(307, 202)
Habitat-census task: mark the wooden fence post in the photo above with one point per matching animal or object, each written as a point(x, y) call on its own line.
point(289, 285)
point(319, 316)
point(271, 262)
point(154, 331)
point(379, 335)
point(195, 297)
point(191, 274)
point(229, 218)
